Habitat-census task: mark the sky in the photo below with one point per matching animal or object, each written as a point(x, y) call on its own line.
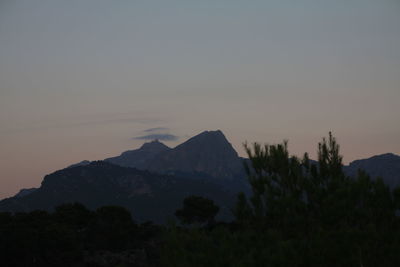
point(88, 79)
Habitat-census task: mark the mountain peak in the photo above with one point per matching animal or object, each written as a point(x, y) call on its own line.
point(208, 152)
point(212, 134)
point(215, 133)
point(208, 140)
point(154, 145)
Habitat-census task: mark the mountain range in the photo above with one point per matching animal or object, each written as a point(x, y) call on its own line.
point(207, 154)
point(386, 166)
point(153, 180)
point(147, 195)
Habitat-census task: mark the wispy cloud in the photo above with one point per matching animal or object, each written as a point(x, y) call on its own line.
point(162, 137)
point(157, 129)
point(160, 133)
point(49, 125)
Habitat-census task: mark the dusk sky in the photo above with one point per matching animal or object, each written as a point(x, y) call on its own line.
point(86, 80)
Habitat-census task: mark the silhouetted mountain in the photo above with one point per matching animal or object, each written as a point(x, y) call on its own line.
point(208, 153)
point(205, 165)
point(82, 163)
point(140, 158)
point(25, 192)
point(148, 196)
point(386, 166)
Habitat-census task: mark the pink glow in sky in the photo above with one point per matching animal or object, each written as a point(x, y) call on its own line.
point(81, 79)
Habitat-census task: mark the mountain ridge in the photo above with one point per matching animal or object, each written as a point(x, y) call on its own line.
point(386, 166)
point(208, 152)
point(147, 195)
point(140, 157)
point(145, 178)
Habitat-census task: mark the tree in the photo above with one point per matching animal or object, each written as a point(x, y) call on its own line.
point(197, 209)
point(302, 195)
point(278, 183)
point(300, 213)
point(114, 228)
point(76, 215)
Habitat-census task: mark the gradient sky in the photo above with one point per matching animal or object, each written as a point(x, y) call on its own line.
point(88, 79)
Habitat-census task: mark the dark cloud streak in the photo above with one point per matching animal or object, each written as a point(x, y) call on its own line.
point(63, 125)
point(157, 129)
point(162, 137)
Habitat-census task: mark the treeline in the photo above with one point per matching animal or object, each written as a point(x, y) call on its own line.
point(72, 235)
point(300, 213)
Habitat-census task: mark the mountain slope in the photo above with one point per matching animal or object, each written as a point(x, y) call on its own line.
point(386, 166)
point(165, 178)
point(209, 153)
point(139, 158)
point(25, 191)
point(148, 196)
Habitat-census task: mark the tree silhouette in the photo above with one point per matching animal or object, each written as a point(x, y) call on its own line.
point(197, 209)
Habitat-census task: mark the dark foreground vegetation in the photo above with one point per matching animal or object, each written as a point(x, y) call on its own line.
point(75, 236)
point(300, 213)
